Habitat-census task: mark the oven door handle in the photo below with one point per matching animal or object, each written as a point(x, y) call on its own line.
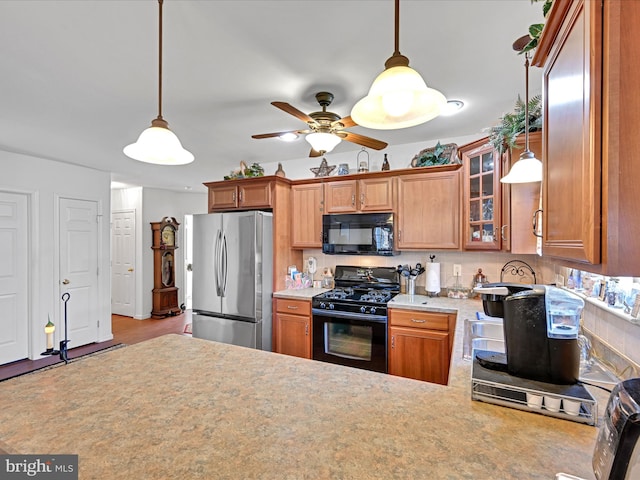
point(349, 315)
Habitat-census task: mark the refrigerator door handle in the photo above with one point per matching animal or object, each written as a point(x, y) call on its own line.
point(224, 265)
point(216, 266)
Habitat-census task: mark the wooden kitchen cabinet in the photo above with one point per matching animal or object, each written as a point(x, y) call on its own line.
point(420, 344)
point(428, 209)
point(362, 195)
point(591, 118)
point(244, 194)
point(307, 203)
point(293, 327)
point(482, 218)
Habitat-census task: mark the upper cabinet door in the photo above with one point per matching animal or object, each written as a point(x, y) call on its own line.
point(307, 210)
point(223, 197)
point(375, 194)
point(428, 211)
point(482, 196)
point(572, 84)
point(341, 196)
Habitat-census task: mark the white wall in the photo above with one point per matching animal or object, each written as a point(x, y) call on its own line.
point(45, 182)
point(399, 156)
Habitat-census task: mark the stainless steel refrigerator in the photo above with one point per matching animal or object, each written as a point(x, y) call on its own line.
point(232, 278)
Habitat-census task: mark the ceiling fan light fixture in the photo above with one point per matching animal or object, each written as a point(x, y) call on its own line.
point(322, 141)
point(288, 137)
point(157, 144)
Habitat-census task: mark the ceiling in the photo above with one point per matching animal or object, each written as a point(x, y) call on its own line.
point(79, 79)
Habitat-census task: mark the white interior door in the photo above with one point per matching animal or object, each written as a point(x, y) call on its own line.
point(79, 270)
point(123, 242)
point(14, 320)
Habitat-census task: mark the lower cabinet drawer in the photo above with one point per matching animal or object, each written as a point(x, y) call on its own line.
point(417, 319)
point(294, 307)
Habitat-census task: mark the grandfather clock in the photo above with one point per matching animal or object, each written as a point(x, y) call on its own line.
point(165, 292)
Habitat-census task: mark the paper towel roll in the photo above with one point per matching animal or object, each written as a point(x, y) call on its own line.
point(432, 285)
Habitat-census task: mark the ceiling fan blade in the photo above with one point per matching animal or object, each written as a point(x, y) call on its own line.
point(277, 134)
point(314, 153)
point(346, 122)
point(293, 111)
point(362, 140)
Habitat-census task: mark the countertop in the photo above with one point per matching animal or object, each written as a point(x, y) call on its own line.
point(179, 407)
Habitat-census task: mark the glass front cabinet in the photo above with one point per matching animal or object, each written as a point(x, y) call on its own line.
point(482, 198)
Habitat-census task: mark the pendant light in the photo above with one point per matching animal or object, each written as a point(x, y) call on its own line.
point(157, 144)
point(528, 168)
point(398, 97)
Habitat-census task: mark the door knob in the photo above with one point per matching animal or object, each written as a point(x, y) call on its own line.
point(66, 282)
point(130, 270)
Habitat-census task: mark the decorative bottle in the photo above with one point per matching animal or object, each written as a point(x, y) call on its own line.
point(385, 163)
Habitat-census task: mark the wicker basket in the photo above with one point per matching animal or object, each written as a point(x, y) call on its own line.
point(448, 154)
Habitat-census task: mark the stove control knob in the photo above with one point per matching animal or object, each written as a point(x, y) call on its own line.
point(363, 309)
point(372, 311)
point(331, 307)
point(323, 305)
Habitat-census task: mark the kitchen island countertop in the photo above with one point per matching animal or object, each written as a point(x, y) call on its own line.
point(179, 407)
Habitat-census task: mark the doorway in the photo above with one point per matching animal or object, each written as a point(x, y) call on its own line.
point(78, 269)
point(14, 289)
point(123, 260)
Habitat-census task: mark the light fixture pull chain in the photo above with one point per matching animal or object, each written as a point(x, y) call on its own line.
point(397, 29)
point(160, 60)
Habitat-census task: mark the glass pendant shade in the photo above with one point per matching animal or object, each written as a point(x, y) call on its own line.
point(398, 98)
point(323, 142)
point(159, 145)
point(526, 170)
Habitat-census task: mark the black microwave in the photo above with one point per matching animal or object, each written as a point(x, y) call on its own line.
point(358, 234)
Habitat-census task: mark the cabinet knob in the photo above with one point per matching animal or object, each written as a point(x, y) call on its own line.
point(292, 307)
point(502, 233)
point(130, 270)
point(66, 282)
point(353, 200)
point(361, 200)
point(306, 329)
point(393, 341)
point(418, 320)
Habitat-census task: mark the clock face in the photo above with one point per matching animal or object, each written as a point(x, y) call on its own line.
point(168, 236)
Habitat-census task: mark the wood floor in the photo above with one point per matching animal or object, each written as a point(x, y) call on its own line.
point(125, 330)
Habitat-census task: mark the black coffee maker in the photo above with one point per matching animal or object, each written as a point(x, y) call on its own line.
point(541, 325)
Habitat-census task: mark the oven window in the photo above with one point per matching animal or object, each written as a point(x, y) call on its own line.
point(348, 341)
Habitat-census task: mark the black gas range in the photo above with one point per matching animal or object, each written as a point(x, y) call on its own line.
point(350, 321)
point(360, 290)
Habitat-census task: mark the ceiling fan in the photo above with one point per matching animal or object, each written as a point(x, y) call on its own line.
point(326, 129)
